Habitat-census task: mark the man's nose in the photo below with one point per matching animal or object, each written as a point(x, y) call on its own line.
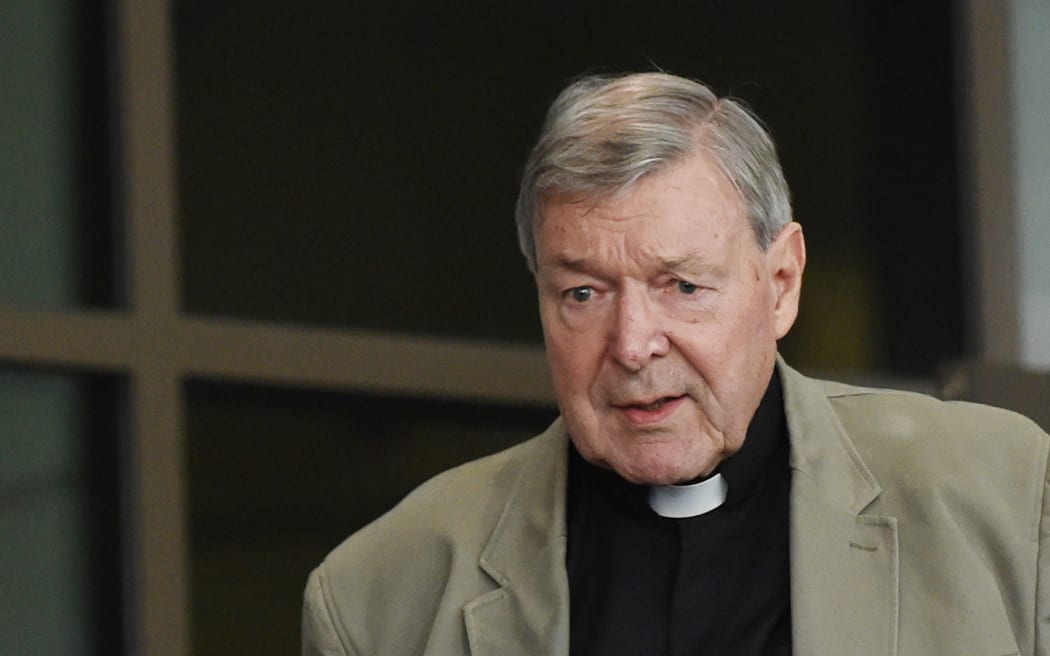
point(638, 331)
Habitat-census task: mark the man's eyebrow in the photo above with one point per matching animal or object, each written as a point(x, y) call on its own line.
point(580, 264)
point(690, 259)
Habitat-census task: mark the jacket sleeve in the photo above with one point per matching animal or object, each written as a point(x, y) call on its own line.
point(320, 636)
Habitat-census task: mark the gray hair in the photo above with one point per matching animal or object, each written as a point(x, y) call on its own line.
point(604, 133)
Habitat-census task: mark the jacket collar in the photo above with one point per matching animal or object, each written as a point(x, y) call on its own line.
point(844, 564)
point(529, 612)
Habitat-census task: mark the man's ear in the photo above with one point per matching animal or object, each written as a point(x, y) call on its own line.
point(786, 258)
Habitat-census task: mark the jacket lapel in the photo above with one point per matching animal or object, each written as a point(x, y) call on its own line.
point(844, 565)
point(529, 612)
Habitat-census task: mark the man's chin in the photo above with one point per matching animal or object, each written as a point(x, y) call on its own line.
point(648, 458)
point(670, 472)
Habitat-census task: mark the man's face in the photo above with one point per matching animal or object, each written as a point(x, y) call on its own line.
point(661, 316)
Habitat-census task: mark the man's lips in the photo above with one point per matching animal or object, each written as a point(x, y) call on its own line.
point(650, 412)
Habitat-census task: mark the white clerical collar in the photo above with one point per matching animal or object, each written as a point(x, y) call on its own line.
point(681, 501)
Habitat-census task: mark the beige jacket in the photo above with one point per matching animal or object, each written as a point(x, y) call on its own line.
point(917, 528)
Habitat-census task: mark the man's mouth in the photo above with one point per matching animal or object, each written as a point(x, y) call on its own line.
point(650, 412)
point(655, 405)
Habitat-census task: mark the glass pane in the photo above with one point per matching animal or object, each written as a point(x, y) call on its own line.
point(278, 478)
point(59, 509)
point(56, 232)
point(356, 163)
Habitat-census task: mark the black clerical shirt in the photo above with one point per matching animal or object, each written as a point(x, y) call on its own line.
point(718, 583)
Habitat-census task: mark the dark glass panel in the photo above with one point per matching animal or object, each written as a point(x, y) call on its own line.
point(57, 225)
point(60, 556)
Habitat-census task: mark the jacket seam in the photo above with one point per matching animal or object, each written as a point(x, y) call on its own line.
point(341, 633)
point(1040, 538)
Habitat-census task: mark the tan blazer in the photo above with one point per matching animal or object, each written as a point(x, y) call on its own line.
point(916, 528)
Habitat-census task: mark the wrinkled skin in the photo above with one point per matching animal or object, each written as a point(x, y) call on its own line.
point(661, 316)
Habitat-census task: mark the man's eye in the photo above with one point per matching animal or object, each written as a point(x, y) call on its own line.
point(686, 287)
point(581, 294)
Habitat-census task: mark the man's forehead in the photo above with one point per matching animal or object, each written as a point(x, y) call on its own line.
point(683, 234)
point(564, 257)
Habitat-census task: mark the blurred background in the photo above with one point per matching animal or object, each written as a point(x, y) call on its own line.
point(259, 277)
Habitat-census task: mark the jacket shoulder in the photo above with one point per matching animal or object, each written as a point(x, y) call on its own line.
point(918, 445)
point(451, 506)
point(896, 415)
point(399, 583)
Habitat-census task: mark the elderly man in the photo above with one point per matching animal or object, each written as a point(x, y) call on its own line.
point(697, 495)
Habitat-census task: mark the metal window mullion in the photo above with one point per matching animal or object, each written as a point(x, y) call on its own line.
point(156, 595)
point(382, 363)
point(994, 327)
